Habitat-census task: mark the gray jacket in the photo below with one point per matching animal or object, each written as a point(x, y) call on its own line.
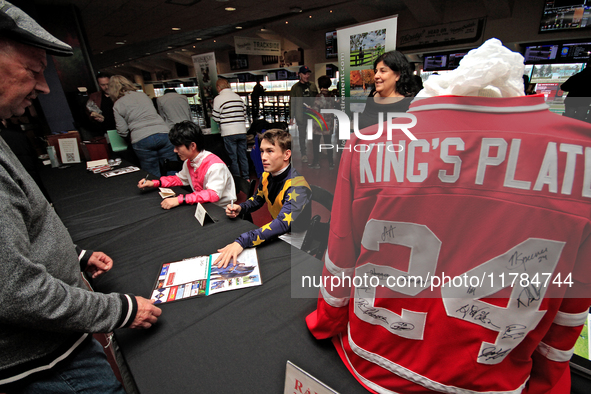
point(135, 114)
point(46, 307)
point(174, 108)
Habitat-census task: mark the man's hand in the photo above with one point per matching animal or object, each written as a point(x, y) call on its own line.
point(98, 264)
point(145, 184)
point(227, 254)
point(233, 212)
point(169, 203)
point(147, 314)
point(96, 116)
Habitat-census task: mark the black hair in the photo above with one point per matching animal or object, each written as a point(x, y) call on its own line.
point(169, 90)
point(324, 82)
point(398, 63)
point(101, 74)
point(183, 133)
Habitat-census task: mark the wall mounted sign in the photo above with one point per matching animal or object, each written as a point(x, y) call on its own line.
point(256, 46)
point(449, 33)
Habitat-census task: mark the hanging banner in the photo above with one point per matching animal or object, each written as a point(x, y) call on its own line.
point(359, 46)
point(206, 71)
point(450, 33)
point(256, 46)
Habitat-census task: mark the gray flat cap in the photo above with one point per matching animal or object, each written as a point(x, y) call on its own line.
point(20, 27)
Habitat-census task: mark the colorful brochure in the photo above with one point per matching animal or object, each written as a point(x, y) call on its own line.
point(197, 276)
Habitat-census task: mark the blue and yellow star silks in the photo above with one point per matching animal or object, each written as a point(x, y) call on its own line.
point(287, 197)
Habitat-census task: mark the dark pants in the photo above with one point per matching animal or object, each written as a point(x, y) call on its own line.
point(302, 136)
point(316, 147)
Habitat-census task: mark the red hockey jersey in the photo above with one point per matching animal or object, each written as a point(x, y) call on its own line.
point(459, 262)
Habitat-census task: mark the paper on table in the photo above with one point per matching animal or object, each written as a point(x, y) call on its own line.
point(69, 150)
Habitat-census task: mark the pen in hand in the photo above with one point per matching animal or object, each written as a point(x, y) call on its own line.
point(232, 202)
point(146, 179)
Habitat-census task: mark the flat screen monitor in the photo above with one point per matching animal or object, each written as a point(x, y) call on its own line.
point(575, 52)
point(331, 45)
point(435, 62)
point(581, 360)
point(540, 53)
point(565, 15)
point(453, 59)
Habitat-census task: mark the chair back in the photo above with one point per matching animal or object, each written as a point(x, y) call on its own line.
point(316, 239)
point(118, 144)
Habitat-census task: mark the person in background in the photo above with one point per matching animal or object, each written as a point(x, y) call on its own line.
point(393, 90)
point(286, 194)
point(173, 107)
point(230, 112)
point(257, 91)
point(100, 104)
point(324, 100)
point(136, 116)
point(303, 88)
point(576, 103)
point(48, 312)
point(206, 173)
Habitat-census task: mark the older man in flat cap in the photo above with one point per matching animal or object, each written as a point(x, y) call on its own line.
point(47, 312)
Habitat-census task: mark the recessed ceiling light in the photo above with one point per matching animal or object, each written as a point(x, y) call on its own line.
point(230, 9)
point(120, 43)
point(199, 38)
point(310, 16)
point(176, 28)
point(286, 22)
point(238, 27)
point(214, 41)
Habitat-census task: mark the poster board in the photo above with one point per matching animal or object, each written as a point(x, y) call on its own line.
point(358, 47)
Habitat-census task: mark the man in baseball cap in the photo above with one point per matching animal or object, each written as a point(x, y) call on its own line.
point(47, 312)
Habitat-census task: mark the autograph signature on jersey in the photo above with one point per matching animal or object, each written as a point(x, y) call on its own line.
point(519, 260)
point(476, 313)
point(364, 306)
point(388, 233)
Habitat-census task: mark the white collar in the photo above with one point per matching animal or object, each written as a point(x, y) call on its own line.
point(281, 171)
point(196, 162)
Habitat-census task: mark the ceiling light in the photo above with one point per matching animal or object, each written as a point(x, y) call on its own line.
point(238, 27)
point(176, 28)
point(295, 10)
point(199, 38)
point(230, 9)
point(310, 16)
point(331, 11)
point(120, 43)
point(286, 22)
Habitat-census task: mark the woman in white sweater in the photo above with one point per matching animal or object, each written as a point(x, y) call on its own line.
point(135, 114)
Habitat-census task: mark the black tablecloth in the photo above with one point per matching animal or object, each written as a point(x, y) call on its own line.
point(91, 204)
point(233, 342)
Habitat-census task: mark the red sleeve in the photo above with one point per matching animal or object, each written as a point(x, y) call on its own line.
point(332, 313)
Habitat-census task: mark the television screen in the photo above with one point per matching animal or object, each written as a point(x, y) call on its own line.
point(582, 356)
point(540, 52)
point(331, 44)
point(434, 62)
point(565, 15)
point(575, 51)
point(454, 59)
